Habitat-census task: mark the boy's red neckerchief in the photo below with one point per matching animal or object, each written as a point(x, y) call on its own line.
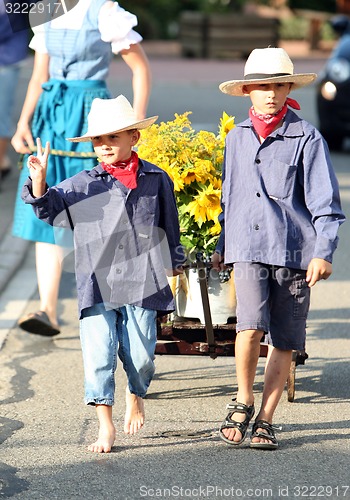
point(265, 124)
point(125, 171)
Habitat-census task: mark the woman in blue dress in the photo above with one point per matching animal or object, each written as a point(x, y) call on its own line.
point(72, 57)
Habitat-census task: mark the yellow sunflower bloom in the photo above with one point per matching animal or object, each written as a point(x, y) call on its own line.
point(227, 123)
point(193, 160)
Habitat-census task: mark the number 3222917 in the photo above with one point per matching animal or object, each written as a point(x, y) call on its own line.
point(31, 7)
point(321, 491)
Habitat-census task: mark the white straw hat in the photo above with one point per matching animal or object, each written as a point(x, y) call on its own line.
point(108, 116)
point(270, 65)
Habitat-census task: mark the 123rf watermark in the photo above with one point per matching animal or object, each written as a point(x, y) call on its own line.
point(210, 491)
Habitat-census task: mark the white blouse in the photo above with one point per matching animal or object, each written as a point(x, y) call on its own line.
point(114, 22)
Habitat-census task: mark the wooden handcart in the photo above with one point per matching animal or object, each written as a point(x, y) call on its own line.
point(182, 336)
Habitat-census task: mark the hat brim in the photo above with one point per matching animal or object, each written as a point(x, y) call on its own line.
point(147, 122)
point(235, 87)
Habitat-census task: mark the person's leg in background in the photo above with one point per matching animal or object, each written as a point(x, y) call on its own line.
point(49, 270)
point(8, 83)
point(49, 256)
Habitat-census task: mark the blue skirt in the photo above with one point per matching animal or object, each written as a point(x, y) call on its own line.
point(61, 112)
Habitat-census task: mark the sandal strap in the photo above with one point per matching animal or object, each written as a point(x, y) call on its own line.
point(269, 428)
point(234, 424)
point(265, 424)
point(236, 407)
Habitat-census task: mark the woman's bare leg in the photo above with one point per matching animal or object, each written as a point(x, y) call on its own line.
point(49, 271)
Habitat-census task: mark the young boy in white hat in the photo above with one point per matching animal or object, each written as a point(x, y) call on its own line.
point(281, 213)
point(126, 233)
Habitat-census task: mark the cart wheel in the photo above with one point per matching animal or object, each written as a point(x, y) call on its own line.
point(291, 378)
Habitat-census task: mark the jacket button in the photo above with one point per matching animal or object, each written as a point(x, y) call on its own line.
point(256, 227)
point(120, 247)
point(258, 195)
point(118, 271)
point(257, 161)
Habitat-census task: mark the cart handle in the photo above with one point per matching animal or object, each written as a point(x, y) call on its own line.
point(202, 276)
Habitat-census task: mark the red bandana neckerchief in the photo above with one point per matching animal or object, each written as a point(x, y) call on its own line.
point(125, 171)
point(265, 124)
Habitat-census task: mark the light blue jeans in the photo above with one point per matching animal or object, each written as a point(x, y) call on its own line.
point(130, 333)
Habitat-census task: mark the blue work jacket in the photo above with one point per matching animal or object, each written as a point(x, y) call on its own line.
point(280, 199)
point(124, 239)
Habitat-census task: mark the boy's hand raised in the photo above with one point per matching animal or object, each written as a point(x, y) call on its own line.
point(37, 167)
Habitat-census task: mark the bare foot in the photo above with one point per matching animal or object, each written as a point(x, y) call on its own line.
point(134, 414)
point(105, 440)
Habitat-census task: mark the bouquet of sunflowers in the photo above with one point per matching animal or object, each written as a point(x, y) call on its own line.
point(193, 160)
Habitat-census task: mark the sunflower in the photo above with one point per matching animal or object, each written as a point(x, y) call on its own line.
point(193, 161)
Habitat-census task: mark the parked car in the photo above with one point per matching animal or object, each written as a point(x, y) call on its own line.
point(333, 92)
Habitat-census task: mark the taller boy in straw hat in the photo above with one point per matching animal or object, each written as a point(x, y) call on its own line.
point(126, 233)
point(281, 213)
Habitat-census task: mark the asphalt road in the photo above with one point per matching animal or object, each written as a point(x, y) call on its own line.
point(45, 427)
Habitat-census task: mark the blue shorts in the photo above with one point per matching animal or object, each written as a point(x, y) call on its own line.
point(275, 300)
point(8, 83)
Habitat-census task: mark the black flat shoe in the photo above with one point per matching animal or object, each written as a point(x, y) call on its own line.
point(38, 323)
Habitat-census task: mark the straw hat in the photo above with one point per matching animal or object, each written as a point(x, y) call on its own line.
point(270, 65)
point(108, 116)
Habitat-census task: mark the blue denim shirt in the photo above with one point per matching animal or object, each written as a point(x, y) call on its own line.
point(124, 239)
point(280, 199)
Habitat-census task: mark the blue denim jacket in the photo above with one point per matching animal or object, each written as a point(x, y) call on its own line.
point(280, 199)
point(124, 239)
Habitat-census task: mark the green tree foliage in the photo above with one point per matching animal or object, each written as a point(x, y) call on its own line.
point(158, 18)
